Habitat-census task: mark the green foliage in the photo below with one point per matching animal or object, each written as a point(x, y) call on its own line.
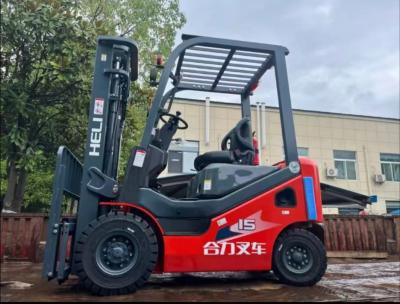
point(38, 191)
point(47, 55)
point(151, 23)
point(45, 48)
point(3, 178)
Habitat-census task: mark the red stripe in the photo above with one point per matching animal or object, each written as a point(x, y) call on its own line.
point(134, 206)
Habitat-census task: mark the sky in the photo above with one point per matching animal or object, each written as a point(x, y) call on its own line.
point(344, 54)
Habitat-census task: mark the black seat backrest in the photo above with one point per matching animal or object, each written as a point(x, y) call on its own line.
point(239, 137)
point(239, 141)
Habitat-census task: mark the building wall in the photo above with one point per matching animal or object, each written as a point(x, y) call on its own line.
point(320, 132)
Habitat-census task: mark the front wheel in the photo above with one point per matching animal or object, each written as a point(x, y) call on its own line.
point(116, 254)
point(299, 258)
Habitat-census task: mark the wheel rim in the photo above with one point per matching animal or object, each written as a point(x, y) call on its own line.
point(297, 258)
point(116, 254)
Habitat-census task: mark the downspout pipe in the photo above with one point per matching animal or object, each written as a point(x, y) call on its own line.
point(207, 121)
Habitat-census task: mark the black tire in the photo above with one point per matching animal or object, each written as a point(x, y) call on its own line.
point(292, 269)
point(116, 254)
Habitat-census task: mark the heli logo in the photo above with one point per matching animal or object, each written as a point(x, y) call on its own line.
point(237, 248)
point(95, 136)
point(95, 132)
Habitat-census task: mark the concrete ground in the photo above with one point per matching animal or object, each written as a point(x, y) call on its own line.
point(345, 280)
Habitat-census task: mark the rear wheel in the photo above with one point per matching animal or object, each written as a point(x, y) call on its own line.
point(299, 258)
point(116, 254)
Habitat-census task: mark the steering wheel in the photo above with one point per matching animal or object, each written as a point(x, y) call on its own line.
point(175, 119)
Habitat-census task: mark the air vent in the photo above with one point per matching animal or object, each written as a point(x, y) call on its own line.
point(331, 172)
point(380, 178)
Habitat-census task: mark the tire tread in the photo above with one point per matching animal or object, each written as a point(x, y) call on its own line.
point(299, 232)
point(79, 267)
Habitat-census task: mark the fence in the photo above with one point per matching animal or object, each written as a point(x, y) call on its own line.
point(362, 233)
point(22, 233)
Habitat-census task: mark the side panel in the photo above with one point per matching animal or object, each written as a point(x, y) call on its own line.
point(240, 239)
point(243, 238)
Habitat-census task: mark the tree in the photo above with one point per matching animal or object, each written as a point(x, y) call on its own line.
point(44, 51)
point(151, 23)
point(47, 52)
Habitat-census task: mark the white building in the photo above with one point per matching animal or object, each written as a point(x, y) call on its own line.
point(358, 153)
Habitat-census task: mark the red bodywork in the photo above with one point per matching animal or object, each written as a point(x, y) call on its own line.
point(246, 250)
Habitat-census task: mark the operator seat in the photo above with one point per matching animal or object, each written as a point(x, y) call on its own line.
point(237, 148)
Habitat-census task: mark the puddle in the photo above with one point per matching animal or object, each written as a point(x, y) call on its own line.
point(342, 282)
point(15, 285)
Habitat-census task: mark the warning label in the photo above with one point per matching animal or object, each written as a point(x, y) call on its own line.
point(98, 106)
point(207, 184)
point(139, 158)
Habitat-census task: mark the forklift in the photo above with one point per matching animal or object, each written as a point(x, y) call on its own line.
point(228, 215)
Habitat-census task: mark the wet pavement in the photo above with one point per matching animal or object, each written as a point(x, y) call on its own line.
point(353, 281)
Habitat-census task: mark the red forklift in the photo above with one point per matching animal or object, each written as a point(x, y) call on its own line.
point(229, 215)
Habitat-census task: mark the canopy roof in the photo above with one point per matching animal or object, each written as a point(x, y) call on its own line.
point(227, 68)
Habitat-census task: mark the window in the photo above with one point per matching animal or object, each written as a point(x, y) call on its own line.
point(393, 207)
point(181, 156)
point(390, 165)
point(345, 163)
point(175, 162)
point(302, 151)
point(349, 211)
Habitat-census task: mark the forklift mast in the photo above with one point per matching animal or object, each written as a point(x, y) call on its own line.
point(116, 65)
point(115, 68)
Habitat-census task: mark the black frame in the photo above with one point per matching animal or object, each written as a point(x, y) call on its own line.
point(136, 188)
point(260, 57)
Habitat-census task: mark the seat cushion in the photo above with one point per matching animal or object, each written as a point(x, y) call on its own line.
point(203, 160)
